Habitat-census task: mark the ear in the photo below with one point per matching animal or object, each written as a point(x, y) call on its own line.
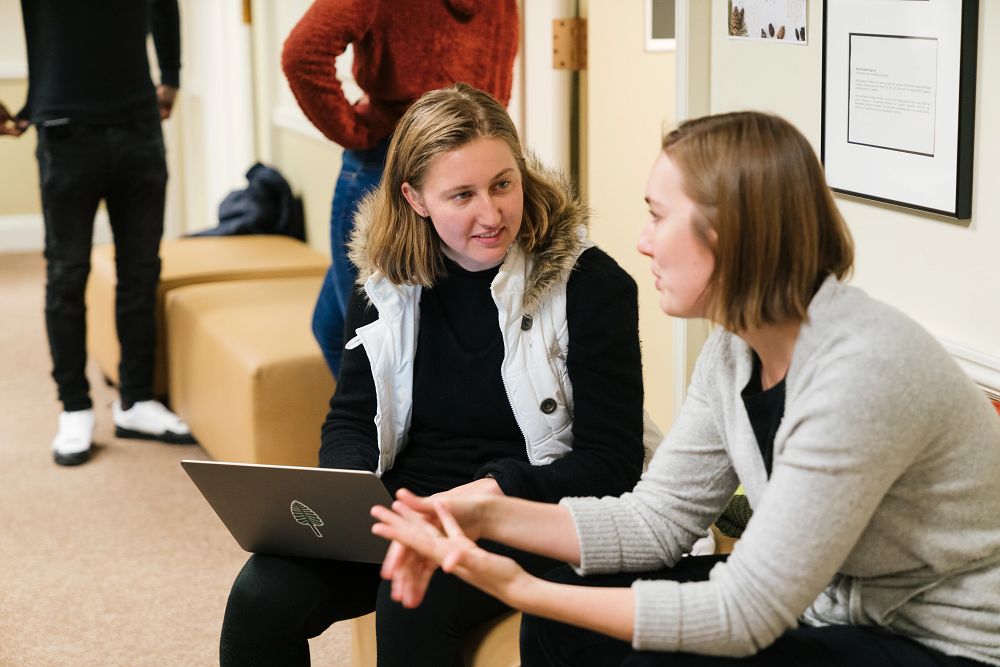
point(414, 199)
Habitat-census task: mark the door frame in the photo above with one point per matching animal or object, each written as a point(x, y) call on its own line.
point(693, 20)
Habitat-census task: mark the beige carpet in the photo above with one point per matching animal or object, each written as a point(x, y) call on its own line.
point(116, 562)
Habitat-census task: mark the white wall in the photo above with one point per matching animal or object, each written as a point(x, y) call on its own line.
point(943, 273)
point(20, 205)
point(628, 97)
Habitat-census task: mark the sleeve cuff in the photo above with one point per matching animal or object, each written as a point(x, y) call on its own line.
point(600, 544)
point(657, 614)
point(666, 610)
point(170, 78)
point(507, 483)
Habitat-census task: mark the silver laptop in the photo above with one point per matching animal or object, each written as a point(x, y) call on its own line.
point(292, 511)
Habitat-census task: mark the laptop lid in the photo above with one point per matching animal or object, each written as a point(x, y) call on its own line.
point(293, 511)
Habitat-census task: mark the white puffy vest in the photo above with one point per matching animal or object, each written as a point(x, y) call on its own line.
point(533, 370)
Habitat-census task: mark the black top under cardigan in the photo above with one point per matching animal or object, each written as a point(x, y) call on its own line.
point(462, 426)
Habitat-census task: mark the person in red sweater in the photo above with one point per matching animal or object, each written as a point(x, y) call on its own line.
point(401, 51)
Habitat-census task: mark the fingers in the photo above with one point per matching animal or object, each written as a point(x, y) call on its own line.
point(410, 575)
point(423, 579)
point(13, 128)
point(467, 559)
point(414, 584)
point(447, 519)
point(407, 512)
point(165, 98)
point(413, 530)
point(413, 501)
point(418, 546)
point(394, 557)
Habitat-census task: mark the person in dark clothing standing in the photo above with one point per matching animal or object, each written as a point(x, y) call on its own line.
point(493, 350)
point(98, 115)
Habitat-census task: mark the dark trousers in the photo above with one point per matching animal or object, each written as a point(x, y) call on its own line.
point(277, 604)
point(545, 642)
point(79, 165)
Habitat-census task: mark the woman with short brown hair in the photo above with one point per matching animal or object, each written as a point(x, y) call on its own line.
point(870, 459)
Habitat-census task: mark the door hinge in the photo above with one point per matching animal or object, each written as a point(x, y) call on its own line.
point(569, 43)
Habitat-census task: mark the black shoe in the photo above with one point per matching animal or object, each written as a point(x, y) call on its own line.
point(74, 459)
point(168, 437)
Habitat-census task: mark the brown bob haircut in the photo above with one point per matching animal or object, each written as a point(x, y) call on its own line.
point(401, 244)
point(756, 183)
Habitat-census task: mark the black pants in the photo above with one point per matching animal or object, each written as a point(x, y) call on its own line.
point(545, 642)
point(79, 165)
point(277, 604)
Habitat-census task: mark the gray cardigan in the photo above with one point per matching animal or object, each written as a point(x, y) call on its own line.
point(883, 506)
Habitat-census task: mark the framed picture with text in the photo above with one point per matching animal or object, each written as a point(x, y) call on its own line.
point(899, 99)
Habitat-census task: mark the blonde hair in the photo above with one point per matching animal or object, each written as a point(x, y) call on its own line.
point(401, 244)
point(756, 182)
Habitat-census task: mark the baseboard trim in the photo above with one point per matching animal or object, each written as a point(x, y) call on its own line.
point(26, 233)
point(13, 70)
point(293, 119)
point(21, 233)
point(982, 368)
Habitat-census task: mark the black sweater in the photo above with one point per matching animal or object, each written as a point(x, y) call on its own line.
point(459, 433)
point(87, 58)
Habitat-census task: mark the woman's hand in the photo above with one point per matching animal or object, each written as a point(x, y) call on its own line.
point(466, 503)
point(441, 540)
point(409, 571)
point(11, 125)
point(483, 486)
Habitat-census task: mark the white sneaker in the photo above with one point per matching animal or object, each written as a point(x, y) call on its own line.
point(150, 420)
point(73, 443)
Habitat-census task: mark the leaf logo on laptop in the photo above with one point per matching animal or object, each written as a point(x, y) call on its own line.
point(305, 516)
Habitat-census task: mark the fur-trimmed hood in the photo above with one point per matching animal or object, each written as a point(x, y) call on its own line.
point(551, 263)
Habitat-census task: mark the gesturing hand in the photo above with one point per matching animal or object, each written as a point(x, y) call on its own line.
point(441, 540)
point(410, 571)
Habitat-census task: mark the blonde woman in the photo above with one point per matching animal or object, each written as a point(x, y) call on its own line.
point(492, 350)
point(870, 459)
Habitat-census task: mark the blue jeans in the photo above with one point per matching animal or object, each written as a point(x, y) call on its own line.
point(79, 165)
point(360, 173)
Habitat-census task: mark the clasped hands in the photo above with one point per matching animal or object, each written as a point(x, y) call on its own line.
point(441, 530)
point(11, 125)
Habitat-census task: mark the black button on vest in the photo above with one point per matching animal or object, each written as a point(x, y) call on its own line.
point(525, 322)
point(548, 406)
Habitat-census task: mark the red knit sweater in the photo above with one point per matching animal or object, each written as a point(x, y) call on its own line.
point(402, 49)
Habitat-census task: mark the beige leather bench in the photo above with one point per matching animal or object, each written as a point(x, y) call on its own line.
point(188, 261)
point(245, 371)
point(248, 377)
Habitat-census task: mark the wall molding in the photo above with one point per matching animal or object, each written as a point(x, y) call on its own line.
point(21, 233)
point(26, 233)
point(293, 119)
point(11, 70)
point(982, 368)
